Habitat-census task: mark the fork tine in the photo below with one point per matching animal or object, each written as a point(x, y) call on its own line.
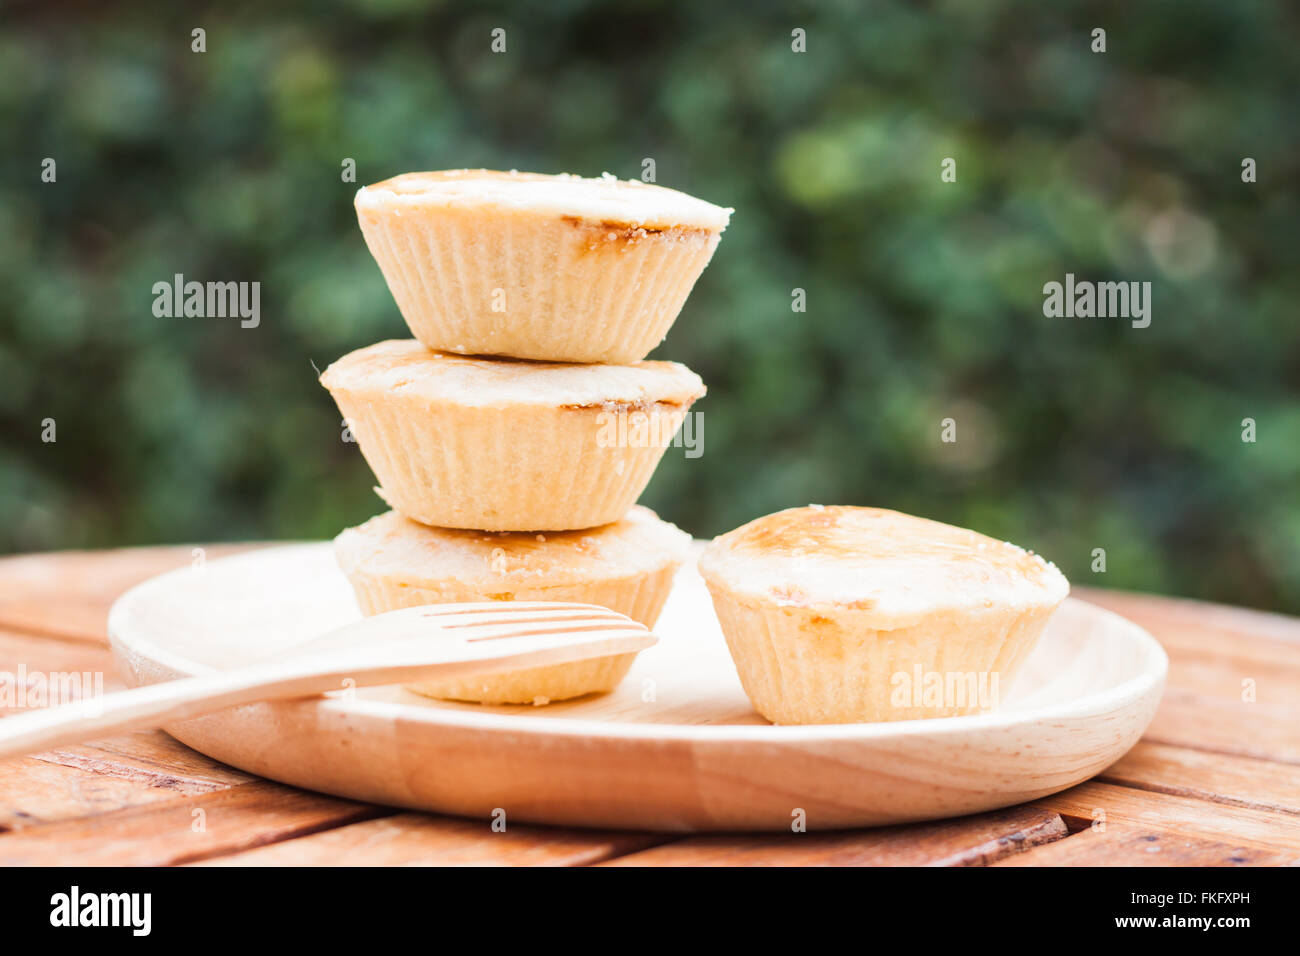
point(622, 640)
point(513, 630)
point(490, 631)
point(510, 616)
point(516, 626)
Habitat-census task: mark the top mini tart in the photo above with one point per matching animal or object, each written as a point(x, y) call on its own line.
point(552, 268)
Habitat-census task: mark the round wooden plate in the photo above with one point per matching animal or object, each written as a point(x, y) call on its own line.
point(675, 747)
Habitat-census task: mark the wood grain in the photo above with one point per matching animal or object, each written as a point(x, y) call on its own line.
point(1220, 722)
point(34, 661)
point(1123, 809)
point(1187, 625)
point(68, 594)
point(1127, 845)
point(151, 755)
point(181, 830)
point(36, 791)
point(1218, 778)
point(417, 839)
point(127, 771)
point(967, 841)
point(1212, 651)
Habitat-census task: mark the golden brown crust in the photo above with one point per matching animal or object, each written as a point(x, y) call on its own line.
point(405, 367)
point(501, 563)
point(630, 209)
point(896, 565)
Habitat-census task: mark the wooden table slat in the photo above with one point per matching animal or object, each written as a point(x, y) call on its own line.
point(1219, 778)
point(416, 839)
point(1188, 624)
point(1119, 806)
point(966, 841)
point(149, 755)
point(35, 791)
point(1221, 725)
point(67, 594)
point(183, 829)
point(1128, 845)
point(38, 659)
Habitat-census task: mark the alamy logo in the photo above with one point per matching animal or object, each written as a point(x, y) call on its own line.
point(26, 689)
point(1101, 300)
point(74, 908)
point(208, 300)
point(637, 429)
point(944, 690)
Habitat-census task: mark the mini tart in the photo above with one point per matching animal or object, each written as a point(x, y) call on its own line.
point(848, 615)
point(508, 446)
point(627, 566)
point(554, 268)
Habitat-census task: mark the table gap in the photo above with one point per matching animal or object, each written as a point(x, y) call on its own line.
point(365, 812)
point(1205, 796)
point(27, 629)
point(1222, 751)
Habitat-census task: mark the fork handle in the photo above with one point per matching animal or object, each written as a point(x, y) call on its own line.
point(33, 731)
point(278, 679)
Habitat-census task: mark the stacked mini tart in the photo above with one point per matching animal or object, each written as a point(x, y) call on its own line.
point(513, 436)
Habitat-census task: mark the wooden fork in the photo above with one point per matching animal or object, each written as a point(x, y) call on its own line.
point(417, 643)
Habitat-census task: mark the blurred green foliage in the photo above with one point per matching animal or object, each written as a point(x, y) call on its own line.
point(924, 298)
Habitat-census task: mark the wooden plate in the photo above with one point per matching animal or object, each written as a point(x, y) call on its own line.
point(675, 747)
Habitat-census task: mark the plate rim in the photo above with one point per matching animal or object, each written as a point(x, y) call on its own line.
point(1151, 678)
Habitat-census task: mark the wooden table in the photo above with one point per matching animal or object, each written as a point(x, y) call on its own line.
point(1215, 781)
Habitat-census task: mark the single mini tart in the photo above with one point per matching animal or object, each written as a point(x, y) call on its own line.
point(496, 445)
point(627, 566)
point(555, 268)
point(847, 615)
